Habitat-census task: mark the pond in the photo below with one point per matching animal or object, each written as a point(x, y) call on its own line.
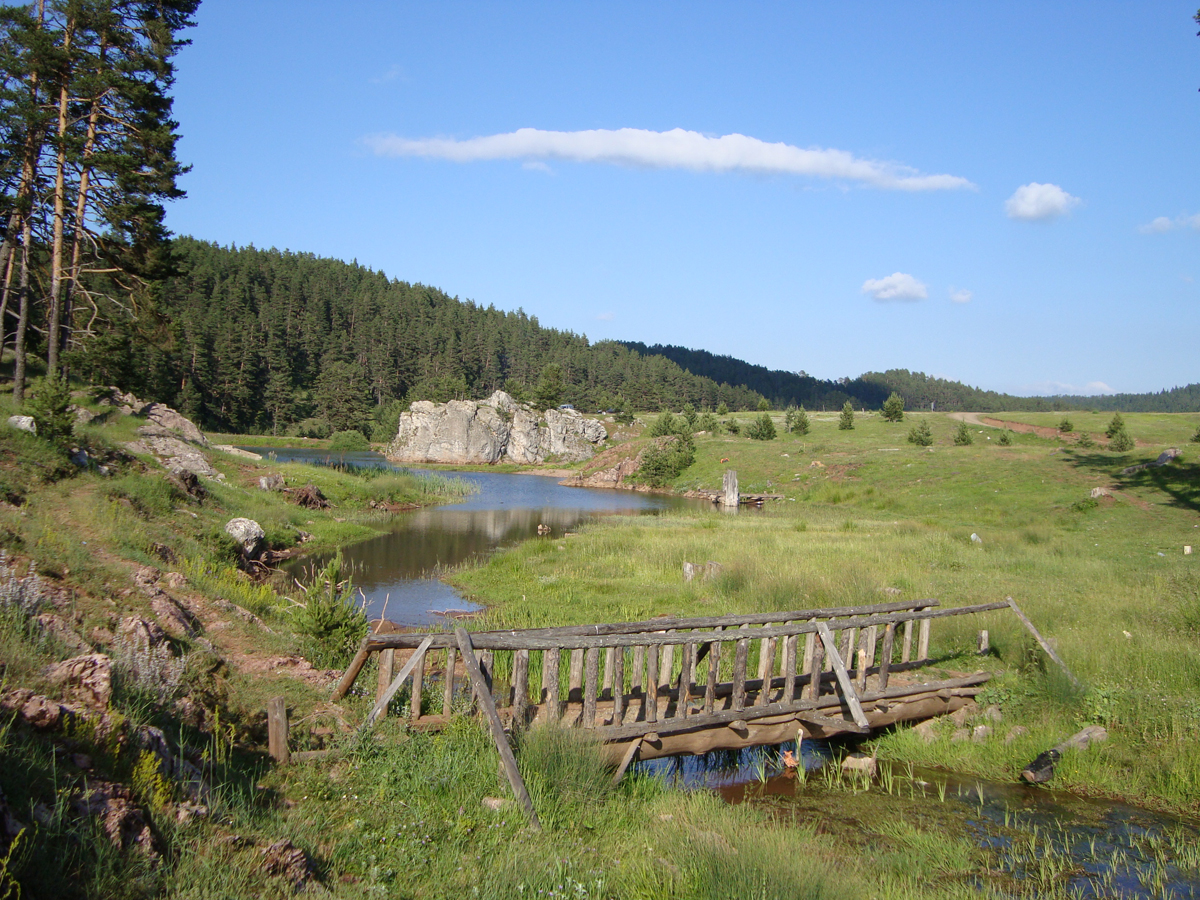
point(1010, 837)
point(397, 571)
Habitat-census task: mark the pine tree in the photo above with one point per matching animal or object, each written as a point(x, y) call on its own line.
point(1117, 424)
point(761, 428)
point(1121, 442)
point(846, 420)
point(800, 422)
point(963, 436)
point(1005, 438)
point(893, 408)
point(921, 434)
point(1065, 426)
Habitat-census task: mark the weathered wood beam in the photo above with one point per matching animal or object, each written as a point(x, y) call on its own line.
point(843, 677)
point(381, 704)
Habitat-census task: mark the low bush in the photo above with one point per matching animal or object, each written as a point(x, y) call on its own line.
point(963, 437)
point(348, 440)
point(665, 461)
point(331, 623)
point(1065, 426)
point(1120, 441)
point(761, 429)
point(846, 419)
point(921, 434)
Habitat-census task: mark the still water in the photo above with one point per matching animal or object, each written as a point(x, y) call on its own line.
point(397, 571)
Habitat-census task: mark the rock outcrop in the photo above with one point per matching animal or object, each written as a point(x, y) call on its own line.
point(498, 429)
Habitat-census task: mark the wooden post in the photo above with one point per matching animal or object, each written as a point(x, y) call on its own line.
point(418, 686)
point(768, 668)
point(741, 657)
point(985, 646)
point(923, 641)
point(862, 670)
point(789, 668)
point(393, 689)
point(808, 654)
point(906, 647)
point(520, 688)
point(714, 670)
point(356, 664)
point(687, 655)
point(818, 665)
point(626, 760)
point(277, 730)
point(639, 666)
point(608, 673)
point(872, 637)
point(591, 676)
point(448, 687)
point(575, 677)
point(387, 664)
point(667, 663)
point(483, 693)
point(618, 687)
point(550, 679)
point(650, 694)
point(729, 489)
point(1042, 641)
point(885, 655)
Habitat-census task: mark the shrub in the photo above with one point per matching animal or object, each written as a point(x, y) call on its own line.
point(1065, 426)
point(963, 437)
point(921, 434)
point(1196, 436)
point(722, 408)
point(708, 422)
point(800, 423)
point(348, 440)
point(664, 462)
point(732, 426)
point(893, 408)
point(1085, 440)
point(50, 407)
point(846, 420)
point(311, 428)
point(624, 414)
point(761, 429)
point(663, 425)
point(1121, 442)
point(689, 415)
point(330, 621)
point(1005, 438)
point(1117, 424)
point(763, 405)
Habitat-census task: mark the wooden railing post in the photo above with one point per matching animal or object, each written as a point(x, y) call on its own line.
point(277, 730)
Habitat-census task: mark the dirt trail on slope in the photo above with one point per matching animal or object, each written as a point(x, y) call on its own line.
point(1044, 431)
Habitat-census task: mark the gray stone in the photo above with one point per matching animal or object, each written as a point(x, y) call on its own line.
point(22, 423)
point(270, 483)
point(1015, 732)
point(492, 430)
point(981, 733)
point(84, 679)
point(249, 534)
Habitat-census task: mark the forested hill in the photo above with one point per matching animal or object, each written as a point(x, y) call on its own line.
point(869, 390)
point(917, 389)
point(257, 340)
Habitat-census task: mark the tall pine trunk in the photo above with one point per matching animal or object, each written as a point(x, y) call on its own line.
point(54, 304)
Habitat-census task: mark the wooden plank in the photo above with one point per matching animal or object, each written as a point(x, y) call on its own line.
point(356, 664)
point(650, 696)
point(486, 667)
point(626, 760)
point(808, 653)
point(872, 638)
point(591, 678)
point(483, 693)
point(906, 649)
point(849, 645)
point(277, 730)
point(409, 640)
point(767, 665)
point(923, 641)
point(843, 677)
point(885, 658)
point(448, 682)
point(618, 687)
point(639, 667)
point(520, 688)
point(667, 664)
point(606, 692)
point(714, 671)
point(1042, 641)
point(686, 655)
point(789, 668)
point(397, 682)
point(818, 663)
point(861, 671)
point(418, 686)
point(387, 665)
point(515, 640)
point(575, 677)
point(550, 661)
point(741, 657)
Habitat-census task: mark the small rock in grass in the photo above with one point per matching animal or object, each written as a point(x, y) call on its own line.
point(926, 731)
point(860, 763)
point(981, 733)
point(960, 734)
point(495, 804)
point(1015, 732)
point(992, 714)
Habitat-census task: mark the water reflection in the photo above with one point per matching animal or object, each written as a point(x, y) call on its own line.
point(399, 569)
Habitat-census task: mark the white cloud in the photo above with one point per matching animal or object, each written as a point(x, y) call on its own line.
point(961, 296)
point(1035, 202)
point(897, 286)
point(394, 72)
point(604, 317)
point(1053, 388)
point(536, 165)
point(1162, 224)
point(675, 149)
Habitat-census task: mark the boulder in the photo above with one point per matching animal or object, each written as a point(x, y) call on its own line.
point(23, 423)
point(84, 679)
point(249, 534)
point(270, 483)
point(35, 710)
point(285, 860)
point(120, 818)
point(497, 429)
point(137, 632)
point(58, 628)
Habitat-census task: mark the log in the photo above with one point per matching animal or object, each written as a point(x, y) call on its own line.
point(885, 659)
point(483, 694)
point(520, 688)
point(1041, 769)
point(843, 677)
point(714, 670)
point(550, 662)
point(448, 685)
point(418, 686)
point(740, 659)
point(591, 675)
point(789, 668)
point(626, 760)
point(814, 675)
point(277, 730)
point(387, 665)
point(650, 696)
point(356, 664)
point(729, 489)
point(618, 696)
point(767, 667)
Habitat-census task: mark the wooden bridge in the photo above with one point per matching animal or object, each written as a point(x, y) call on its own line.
point(681, 685)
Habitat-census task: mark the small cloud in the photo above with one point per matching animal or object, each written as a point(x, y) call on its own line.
point(1035, 202)
point(961, 296)
point(536, 165)
point(897, 286)
point(605, 317)
point(396, 71)
point(1056, 388)
point(1162, 224)
point(1098, 387)
point(674, 149)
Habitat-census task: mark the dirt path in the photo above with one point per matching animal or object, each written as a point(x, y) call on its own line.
point(1044, 431)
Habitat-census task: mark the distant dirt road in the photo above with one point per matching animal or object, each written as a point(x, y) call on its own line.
point(1023, 428)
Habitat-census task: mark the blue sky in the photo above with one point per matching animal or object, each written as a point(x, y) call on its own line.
point(1003, 194)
